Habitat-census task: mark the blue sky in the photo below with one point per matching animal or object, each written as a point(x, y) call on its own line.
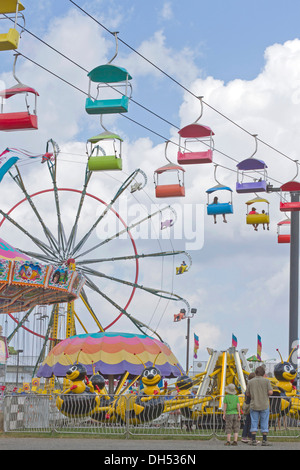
point(243, 57)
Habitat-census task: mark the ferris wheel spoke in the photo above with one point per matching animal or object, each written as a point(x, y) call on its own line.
point(121, 189)
point(127, 229)
point(158, 292)
point(134, 320)
point(52, 167)
point(46, 249)
point(18, 179)
point(130, 257)
point(73, 233)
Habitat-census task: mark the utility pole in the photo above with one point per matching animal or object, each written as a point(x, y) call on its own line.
point(294, 276)
point(294, 267)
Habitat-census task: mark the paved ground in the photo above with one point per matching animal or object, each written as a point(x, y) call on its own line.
point(115, 448)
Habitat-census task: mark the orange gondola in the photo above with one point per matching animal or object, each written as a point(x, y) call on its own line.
point(172, 187)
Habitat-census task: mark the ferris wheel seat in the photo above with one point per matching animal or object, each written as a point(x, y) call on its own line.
point(257, 219)
point(18, 121)
point(104, 163)
point(289, 206)
point(10, 40)
point(169, 190)
point(188, 158)
point(220, 208)
point(251, 187)
point(284, 238)
point(111, 106)
point(181, 269)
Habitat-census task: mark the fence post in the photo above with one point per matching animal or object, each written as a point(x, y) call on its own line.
point(127, 417)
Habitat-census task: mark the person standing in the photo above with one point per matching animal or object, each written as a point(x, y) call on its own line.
point(259, 389)
point(246, 434)
point(231, 414)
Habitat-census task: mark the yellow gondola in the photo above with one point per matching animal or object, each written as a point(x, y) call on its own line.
point(10, 40)
point(255, 218)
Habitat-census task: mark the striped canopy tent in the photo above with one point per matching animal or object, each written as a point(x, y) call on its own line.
point(111, 354)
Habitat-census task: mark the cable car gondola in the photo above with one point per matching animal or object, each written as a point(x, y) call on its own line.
point(105, 76)
point(292, 186)
point(98, 159)
point(201, 135)
point(289, 206)
point(248, 166)
point(174, 186)
point(219, 208)
point(255, 218)
point(284, 237)
point(19, 120)
point(191, 133)
point(175, 189)
point(10, 40)
point(255, 168)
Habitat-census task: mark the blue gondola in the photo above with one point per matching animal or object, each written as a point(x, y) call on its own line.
point(105, 75)
point(109, 77)
point(216, 207)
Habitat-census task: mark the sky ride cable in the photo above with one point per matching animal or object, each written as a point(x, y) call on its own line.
point(138, 123)
point(147, 109)
point(178, 83)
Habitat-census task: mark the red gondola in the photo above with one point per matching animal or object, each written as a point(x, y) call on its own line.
point(198, 144)
point(18, 120)
point(289, 206)
point(195, 133)
point(284, 237)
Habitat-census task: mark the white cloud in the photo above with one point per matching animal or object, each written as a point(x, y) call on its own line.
point(167, 12)
point(177, 63)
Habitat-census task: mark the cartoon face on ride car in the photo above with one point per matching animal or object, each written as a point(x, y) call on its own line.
point(285, 372)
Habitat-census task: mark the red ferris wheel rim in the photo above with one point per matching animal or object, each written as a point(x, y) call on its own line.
point(121, 220)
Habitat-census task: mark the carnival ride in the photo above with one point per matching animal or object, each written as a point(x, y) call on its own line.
point(64, 273)
point(81, 248)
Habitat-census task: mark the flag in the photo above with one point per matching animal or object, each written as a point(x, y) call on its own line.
point(259, 346)
point(234, 341)
point(196, 345)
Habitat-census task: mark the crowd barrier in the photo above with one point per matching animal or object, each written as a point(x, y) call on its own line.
point(128, 416)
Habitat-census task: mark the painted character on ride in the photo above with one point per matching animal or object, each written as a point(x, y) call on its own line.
point(78, 400)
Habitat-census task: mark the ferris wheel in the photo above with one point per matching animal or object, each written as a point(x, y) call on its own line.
point(61, 225)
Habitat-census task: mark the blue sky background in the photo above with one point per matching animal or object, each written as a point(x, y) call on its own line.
point(243, 57)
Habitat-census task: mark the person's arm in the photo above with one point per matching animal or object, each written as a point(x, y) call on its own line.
point(239, 409)
point(224, 409)
point(270, 389)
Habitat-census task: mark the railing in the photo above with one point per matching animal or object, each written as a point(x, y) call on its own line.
point(129, 416)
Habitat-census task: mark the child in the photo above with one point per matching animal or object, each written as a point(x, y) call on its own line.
point(231, 414)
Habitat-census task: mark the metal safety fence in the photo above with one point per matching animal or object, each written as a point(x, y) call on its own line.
point(136, 416)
